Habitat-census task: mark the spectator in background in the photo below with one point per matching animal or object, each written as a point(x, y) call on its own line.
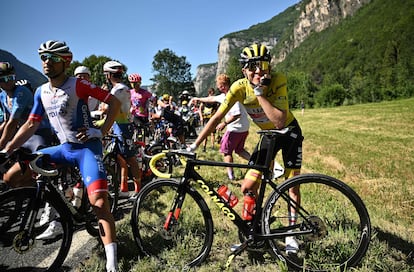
point(235, 121)
point(140, 99)
point(83, 72)
point(206, 111)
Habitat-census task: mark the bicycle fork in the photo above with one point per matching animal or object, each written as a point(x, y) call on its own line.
point(24, 239)
point(174, 213)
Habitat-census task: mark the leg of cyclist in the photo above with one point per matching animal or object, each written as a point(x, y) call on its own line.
point(88, 157)
point(123, 165)
point(93, 173)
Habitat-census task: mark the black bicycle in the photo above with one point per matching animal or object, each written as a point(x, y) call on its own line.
point(112, 143)
point(172, 221)
point(21, 212)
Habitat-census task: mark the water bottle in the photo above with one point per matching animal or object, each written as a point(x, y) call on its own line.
point(227, 195)
point(77, 196)
point(249, 206)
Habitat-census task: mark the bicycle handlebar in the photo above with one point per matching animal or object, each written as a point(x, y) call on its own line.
point(168, 153)
point(20, 155)
point(41, 171)
point(153, 167)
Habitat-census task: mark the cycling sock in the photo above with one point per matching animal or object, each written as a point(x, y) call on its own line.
point(124, 185)
point(292, 218)
point(111, 257)
point(137, 186)
point(230, 174)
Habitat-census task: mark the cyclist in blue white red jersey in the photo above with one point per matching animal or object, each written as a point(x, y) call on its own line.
point(114, 72)
point(64, 100)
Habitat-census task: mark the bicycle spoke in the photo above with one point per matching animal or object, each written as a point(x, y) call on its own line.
point(337, 225)
point(19, 248)
point(185, 241)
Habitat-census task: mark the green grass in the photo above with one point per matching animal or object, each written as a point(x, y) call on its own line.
point(370, 147)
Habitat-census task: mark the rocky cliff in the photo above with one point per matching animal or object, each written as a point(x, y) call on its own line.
point(314, 16)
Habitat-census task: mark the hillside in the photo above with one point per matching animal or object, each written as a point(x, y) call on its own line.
point(23, 71)
point(336, 52)
point(370, 55)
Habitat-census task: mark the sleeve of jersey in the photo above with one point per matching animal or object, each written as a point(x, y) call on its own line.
point(22, 104)
point(84, 89)
point(37, 111)
point(279, 97)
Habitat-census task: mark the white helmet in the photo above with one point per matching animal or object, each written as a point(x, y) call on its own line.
point(113, 67)
point(82, 70)
point(56, 47)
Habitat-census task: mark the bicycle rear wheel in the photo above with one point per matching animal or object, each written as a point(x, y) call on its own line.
point(187, 240)
point(335, 215)
point(19, 248)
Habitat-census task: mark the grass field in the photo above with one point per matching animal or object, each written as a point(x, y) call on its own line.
point(370, 147)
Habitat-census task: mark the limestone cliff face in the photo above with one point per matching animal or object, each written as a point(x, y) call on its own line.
point(205, 77)
point(315, 16)
point(321, 14)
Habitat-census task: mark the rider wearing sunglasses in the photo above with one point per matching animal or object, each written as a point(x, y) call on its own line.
point(64, 100)
point(264, 95)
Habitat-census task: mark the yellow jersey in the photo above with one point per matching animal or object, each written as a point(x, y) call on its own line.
point(242, 91)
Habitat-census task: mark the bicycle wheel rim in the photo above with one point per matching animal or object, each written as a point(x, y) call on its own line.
point(344, 231)
point(188, 243)
point(34, 255)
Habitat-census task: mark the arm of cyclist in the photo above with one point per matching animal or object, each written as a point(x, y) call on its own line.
point(9, 131)
point(22, 135)
point(208, 129)
point(114, 106)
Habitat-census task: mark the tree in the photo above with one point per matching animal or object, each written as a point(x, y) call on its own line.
point(95, 64)
point(233, 69)
point(172, 73)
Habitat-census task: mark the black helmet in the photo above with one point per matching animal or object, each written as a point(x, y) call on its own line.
point(6, 69)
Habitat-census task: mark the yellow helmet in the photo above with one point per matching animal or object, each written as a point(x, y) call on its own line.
point(253, 53)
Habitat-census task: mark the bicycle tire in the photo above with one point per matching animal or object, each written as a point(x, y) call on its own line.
point(35, 255)
point(188, 242)
point(113, 175)
point(341, 232)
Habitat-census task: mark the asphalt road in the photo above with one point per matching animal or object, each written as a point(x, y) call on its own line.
point(83, 244)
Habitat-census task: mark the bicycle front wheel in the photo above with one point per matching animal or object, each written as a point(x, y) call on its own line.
point(20, 250)
point(333, 215)
point(172, 223)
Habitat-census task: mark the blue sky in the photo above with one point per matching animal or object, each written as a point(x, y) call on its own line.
point(131, 31)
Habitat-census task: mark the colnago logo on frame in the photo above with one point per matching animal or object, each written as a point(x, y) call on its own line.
point(217, 200)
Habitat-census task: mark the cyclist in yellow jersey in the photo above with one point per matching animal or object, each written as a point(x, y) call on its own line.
point(264, 95)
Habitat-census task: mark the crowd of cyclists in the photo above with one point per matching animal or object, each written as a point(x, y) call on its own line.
point(67, 117)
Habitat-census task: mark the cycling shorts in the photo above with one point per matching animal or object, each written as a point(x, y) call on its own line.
point(87, 157)
point(127, 146)
point(290, 144)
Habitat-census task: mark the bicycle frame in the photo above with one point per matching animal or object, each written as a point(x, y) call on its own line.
point(249, 229)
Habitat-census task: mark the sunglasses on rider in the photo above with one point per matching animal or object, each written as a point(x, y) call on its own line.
point(5, 79)
point(53, 58)
point(253, 65)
